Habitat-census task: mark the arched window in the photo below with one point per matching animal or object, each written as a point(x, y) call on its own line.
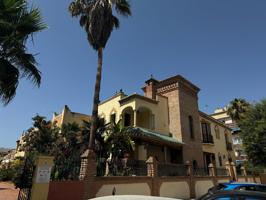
point(191, 126)
point(113, 118)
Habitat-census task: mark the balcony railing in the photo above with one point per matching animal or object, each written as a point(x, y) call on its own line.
point(207, 138)
point(229, 146)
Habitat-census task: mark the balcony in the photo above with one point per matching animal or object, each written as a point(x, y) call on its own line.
point(229, 146)
point(207, 139)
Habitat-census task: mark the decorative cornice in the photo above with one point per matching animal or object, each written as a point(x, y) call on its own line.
point(167, 88)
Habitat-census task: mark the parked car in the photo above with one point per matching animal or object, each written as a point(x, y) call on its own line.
point(239, 186)
point(132, 197)
point(233, 195)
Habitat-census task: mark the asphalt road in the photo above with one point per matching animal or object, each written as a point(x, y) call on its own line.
point(8, 191)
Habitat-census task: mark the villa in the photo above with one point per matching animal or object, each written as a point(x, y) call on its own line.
point(172, 128)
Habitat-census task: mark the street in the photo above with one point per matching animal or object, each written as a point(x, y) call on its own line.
point(7, 191)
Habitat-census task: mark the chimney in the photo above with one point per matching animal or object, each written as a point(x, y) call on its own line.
point(150, 88)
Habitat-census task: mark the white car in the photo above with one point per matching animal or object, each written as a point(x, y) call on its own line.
point(132, 197)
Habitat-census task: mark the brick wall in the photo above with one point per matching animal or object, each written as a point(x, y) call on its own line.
point(66, 190)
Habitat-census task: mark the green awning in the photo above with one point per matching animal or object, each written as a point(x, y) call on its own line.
point(152, 136)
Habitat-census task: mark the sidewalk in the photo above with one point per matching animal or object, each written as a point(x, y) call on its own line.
point(8, 191)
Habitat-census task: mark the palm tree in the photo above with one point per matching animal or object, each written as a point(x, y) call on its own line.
point(236, 108)
point(17, 24)
point(96, 17)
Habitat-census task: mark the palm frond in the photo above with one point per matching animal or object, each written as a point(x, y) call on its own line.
point(17, 23)
point(27, 64)
point(9, 76)
point(116, 22)
point(123, 7)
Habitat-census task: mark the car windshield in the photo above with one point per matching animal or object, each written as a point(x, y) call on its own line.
point(220, 186)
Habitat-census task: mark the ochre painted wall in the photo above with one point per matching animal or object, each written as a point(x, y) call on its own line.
point(219, 145)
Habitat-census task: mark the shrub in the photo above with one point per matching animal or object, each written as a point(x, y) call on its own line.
point(6, 174)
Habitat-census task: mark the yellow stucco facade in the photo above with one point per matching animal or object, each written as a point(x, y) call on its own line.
point(221, 144)
point(67, 116)
point(144, 112)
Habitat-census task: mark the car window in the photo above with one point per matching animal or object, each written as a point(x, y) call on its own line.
point(248, 188)
point(261, 188)
point(253, 198)
point(227, 197)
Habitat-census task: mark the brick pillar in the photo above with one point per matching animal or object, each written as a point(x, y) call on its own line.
point(233, 165)
point(90, 174)
point(244, 172)
point(191, 179)
point(152, 167)
point(230, 170)
point(152, 171)
point(212, 171)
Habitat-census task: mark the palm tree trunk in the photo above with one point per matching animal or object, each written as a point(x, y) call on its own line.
point(96, 100)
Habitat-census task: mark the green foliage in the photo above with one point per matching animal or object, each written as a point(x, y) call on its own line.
point(253, 169)
point(17, 24)
point(253, 132)
point(6, 174)
point(42, 137)
point(236, 108)
point(117, 140)
point(67, 152)
point(23, 171)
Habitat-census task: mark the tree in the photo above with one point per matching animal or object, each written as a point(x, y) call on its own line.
point(100, 147)
point(67, 152)
point(236, 108)
point(118, 143)
point(17, 24)
point(42, 137)
point(253, 132)
point(96, 17)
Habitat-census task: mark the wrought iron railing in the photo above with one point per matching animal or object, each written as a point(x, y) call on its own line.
point(24, 194)
point(123, 167)
point(167, 169)
point(207, 138)
point(221, 172)
point(200, 171)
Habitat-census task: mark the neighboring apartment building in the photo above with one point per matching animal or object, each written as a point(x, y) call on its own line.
point(7, 159)
point(170, 123)
point(222, 116)
point(67, 116)
point(19, 148)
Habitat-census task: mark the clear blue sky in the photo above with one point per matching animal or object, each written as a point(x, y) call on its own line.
point(218, 45)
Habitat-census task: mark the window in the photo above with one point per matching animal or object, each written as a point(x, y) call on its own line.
point(237, 140)
point(127, 120)
point(194, 164)
point(217, 132)
point(113, 118)
point(191, 127)
point(220, 160)
point(206, 132)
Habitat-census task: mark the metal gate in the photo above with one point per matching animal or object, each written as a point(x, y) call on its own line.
point(26, 179)
point(24, 194)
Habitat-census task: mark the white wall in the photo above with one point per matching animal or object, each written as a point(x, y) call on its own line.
point(125, 189)
point(175, 190)
point(202, 187)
